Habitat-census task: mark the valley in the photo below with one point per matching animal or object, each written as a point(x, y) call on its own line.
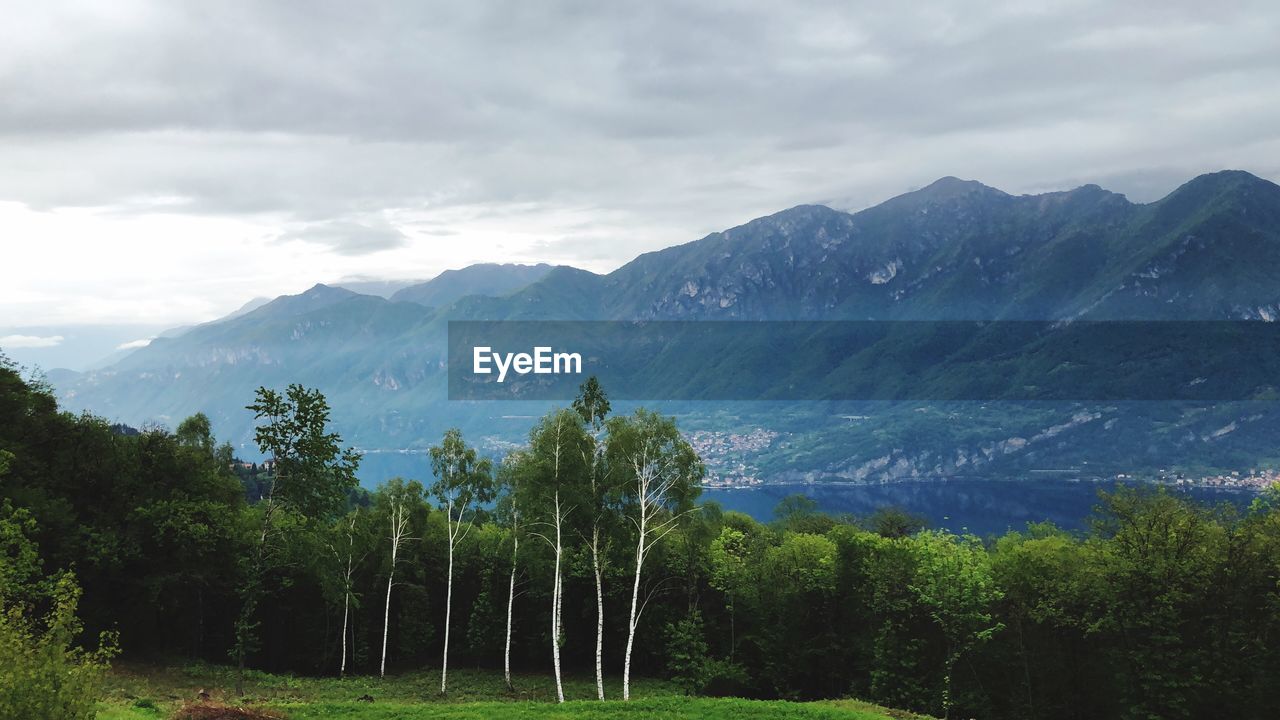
point(955, 250)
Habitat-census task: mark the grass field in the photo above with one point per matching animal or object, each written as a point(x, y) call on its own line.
point(147, 692)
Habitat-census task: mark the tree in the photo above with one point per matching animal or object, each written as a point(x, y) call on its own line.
point(592, 405)
point(895, 522)
point(196, 432)
point(397, 500)
point(1156, 602)
point(687, 659)
point(554, 468)
point(463, 483)
point(731, 574)
point(797, 587)
point(1048, 591)
point(509, 510)
point(311, 477)
point(954, 582)
point(184, 529)
point(344, 553)
point(662, 480)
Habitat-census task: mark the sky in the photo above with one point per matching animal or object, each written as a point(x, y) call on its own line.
point(161, 163)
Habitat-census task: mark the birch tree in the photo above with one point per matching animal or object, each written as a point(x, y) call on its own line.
point(311, 476)
point(463, 483)
point(662, 480)
point(509, 510)
point(592, 405)
point(399, 499)
point(554, 472)
point(344, 553)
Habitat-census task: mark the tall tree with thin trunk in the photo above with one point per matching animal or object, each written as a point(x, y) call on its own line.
point(509, 510)
point(592, 405)
point(344, 552)
point(662, 480)
point(463, 483)
point(554, 473)
point(399, 500)
point(310, 477)
point(954, 583)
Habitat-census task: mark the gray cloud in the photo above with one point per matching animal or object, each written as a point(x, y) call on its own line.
point(30, 341)
point(673, 118)
point(351, 238)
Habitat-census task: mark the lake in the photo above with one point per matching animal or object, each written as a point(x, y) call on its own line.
point(961, 505)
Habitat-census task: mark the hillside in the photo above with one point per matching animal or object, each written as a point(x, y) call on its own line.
point(955, 249)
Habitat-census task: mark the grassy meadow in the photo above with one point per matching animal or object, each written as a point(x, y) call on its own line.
point(154, 692)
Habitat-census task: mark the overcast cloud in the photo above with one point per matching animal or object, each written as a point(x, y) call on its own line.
point(167, 161)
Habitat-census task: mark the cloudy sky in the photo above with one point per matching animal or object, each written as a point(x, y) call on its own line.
point(164, 162)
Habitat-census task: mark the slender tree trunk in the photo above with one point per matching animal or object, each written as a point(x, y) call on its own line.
point(399, 523)
point(448, 610)
point(635, 606)
point(200, 620)
point(946, 684)
point(252, 592)
point(346, 610)
point(733, 629)
point(555, 607)
point(511, 599)
point(595, 566)
point(386, 621)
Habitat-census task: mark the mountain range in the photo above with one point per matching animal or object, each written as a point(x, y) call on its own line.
point(955, 249)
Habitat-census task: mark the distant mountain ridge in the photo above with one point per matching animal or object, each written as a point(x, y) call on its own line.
point(490, 279)
point(955, 249)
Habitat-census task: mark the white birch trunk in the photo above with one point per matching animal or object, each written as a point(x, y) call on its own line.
point(346, 590)
point(635, 606)
point(399, 525)
point(346, 608)
point(386, 618)
point(448, 606)
point(595, 562)
point(511, 599)
point(557, 588)
point(653, 486)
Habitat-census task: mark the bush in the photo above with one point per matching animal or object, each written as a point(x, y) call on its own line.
point(43, 674)
point(687, 653)
point(722, 678)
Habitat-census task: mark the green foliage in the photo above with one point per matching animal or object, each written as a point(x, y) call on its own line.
point(21, 577)
point(649, 441)
point(954, 583)
point(312, 471)
point(1162, 609)
point(894, 522)
point(311, 479)
point(687, 659)
point(592, 403)
point(799, 513)
point(463, 479)
point(44, 674)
